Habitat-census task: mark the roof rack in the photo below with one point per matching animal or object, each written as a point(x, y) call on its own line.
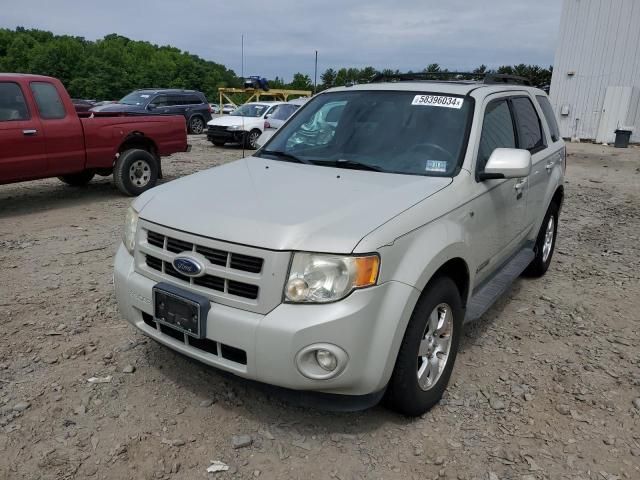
point(487, 78)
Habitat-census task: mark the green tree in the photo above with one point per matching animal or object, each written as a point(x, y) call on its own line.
point(301, 82)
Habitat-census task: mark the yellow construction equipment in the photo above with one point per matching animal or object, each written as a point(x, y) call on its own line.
point(255, 95)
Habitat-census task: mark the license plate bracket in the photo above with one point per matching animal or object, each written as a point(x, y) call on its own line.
point(180, 309)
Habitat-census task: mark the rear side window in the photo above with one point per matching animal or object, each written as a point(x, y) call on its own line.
point(497, 131)
point(529, 129)
point(12, 103)
point(550, 116)
point(48, 101)
point(282, 112)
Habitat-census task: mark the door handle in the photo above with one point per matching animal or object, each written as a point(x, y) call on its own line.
point(549, 165)
point(30, 132)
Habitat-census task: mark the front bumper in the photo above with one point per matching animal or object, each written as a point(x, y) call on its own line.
point(235, 136)
point(368, 325)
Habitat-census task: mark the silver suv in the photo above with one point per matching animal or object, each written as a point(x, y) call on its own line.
point(346, 254)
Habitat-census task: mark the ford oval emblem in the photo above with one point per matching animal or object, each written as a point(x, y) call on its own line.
point(188, 266)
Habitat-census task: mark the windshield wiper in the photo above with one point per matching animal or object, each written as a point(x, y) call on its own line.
point(285, 156)
point(352, 164)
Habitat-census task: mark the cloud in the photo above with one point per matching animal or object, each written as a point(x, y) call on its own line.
point(281, 36)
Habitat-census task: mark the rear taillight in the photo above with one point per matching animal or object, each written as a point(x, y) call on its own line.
point(210, 109)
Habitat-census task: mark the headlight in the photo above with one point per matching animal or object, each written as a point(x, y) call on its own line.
point(234, 127)
point(321, 278)
point(130, 228)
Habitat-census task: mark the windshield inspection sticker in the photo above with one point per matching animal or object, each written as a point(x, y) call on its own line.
point(438, 101)
point(436, 166)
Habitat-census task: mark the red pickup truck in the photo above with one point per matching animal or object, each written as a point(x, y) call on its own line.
point(41, 136)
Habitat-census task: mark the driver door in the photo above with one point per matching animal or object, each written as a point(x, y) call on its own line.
point(499, 206)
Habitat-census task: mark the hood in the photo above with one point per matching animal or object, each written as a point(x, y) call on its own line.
point(118, 107)
point(285, 206)
point(230, 120)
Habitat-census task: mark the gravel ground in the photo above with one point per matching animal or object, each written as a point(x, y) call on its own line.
point(547, 384)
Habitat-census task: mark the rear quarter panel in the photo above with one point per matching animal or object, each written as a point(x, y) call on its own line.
point(104, 135)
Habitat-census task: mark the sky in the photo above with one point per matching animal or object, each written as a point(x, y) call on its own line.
point(281, 36)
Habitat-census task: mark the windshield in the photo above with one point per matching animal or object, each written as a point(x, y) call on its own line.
point(390, 131)
point(136, 98)
point(250, 110)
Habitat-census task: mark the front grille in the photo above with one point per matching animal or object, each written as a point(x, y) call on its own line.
point(239, 289)
point(239, 276)
point(217, 128)
point(236, 261)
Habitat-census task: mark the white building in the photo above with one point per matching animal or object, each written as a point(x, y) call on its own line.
point(595, 87)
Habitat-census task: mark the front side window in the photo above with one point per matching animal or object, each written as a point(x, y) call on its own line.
point(48, 101)
point(497, 131)
point(391, 131)
point(529, 129)
point(250, 110)
point(161, 101)
point(548, 113)
point(12, 103)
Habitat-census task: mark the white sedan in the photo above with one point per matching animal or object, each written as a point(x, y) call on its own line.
point(244, 125)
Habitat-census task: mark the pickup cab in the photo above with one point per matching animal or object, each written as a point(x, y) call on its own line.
point(346, 254)
point(42, 135)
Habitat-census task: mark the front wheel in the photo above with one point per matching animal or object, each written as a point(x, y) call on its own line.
point(135, 172)
point(251, 139)
point(428, 350)
point(79, 179)
point(545, 244)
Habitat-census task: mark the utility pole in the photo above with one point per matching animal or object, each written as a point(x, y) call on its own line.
point(242, 65)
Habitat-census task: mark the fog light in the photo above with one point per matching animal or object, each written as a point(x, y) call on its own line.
point(326, 360)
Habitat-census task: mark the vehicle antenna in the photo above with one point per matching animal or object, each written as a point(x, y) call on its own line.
point(244, 137)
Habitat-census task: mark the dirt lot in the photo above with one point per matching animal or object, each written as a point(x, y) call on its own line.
point(547, 385)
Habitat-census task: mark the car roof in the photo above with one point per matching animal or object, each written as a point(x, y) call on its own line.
point(168, 90)
point(265, 103)
point(459, 87)
point(9, 76)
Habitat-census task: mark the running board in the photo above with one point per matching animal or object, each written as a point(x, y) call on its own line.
point(498, 285)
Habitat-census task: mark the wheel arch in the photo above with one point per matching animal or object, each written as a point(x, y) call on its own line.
point(140, 141)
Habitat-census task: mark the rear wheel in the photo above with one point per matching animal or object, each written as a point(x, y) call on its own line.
point(135, 172)
point(251, 139)
point(79, 179)
point(545, 244)
point(196, 125)
point(428, 351)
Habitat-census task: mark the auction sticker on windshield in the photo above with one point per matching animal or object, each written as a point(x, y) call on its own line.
point(438, 101)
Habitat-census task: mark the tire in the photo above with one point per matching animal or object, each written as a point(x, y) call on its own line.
point(218, 144)
point(251, 139)
point(439, 304)
point(79, 179)
point(543, 249)
point(196, 125)
point(136, 171)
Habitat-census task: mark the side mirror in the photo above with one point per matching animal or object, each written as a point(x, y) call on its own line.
point(268, 115)
point(507, 163)
point(151, 106)
point(262, 139)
